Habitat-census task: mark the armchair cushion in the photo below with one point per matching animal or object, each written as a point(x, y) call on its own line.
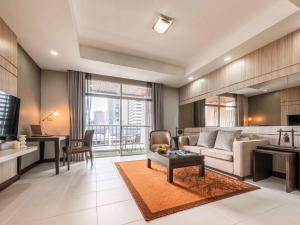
point(75, 149)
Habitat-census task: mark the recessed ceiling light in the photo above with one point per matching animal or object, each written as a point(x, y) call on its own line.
point(226, 59)
point(52, 52)
point(191, 78)
point(162, 24)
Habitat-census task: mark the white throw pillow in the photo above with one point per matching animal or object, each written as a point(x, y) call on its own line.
point(225, 139)
point(193, 139)
point(207, 138)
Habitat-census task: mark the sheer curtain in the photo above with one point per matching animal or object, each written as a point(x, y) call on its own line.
point(76, 89)
point(157, 106)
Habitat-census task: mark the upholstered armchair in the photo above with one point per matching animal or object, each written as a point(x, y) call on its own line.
point(160, 138)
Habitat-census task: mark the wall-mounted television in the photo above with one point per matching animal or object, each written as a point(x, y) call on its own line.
point(293, 120)
point(9, 117)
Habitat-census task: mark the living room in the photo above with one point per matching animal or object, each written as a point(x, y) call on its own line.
point(149, 112)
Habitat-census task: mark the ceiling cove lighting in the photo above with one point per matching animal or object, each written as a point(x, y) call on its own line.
point(162, 24)
point(191, 78)
point(55, 53)
point(226, 59)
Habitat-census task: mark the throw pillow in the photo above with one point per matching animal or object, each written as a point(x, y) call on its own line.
point(193, 139)
point(207, 138)
point(225, 139)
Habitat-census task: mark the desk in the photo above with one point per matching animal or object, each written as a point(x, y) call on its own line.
point(57, 143)
point(263, 166)
point(286, 149)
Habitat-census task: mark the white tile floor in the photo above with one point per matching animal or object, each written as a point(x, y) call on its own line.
point(85, 196)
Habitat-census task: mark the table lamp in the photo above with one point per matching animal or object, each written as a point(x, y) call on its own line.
point(49, 117)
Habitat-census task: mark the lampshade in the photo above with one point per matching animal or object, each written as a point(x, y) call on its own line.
point(55, 113)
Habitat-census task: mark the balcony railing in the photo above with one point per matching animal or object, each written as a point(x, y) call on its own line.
point(123, 139)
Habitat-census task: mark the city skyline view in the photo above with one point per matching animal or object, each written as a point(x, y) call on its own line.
point(106, 111)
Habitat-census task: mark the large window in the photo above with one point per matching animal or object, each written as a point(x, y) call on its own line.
point(220, 111)
point(120, 114)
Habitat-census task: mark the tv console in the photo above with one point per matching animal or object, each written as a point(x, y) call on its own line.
point(9, 154)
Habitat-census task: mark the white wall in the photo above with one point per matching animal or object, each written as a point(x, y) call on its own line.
point(171, 107)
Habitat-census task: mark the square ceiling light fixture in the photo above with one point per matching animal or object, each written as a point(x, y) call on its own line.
point(162, 24)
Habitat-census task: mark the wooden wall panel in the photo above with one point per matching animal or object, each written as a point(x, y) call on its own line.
point(8, 59)
point(277, 59)
point(8, 83)
point(290, 103)
point(8, 44)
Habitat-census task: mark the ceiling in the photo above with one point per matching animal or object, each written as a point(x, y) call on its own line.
point(115, 37)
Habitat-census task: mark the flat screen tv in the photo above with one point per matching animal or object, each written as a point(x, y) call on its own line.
point(293, 120)
point(9, 117)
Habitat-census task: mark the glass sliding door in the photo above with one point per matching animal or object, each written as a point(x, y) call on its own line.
point(103, 117)
point(120, 115)
point(136, 126)
point(136, 118)
point(103, 107)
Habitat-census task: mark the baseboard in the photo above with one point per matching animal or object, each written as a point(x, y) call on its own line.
point(24, 170)
point(9, 182)
point(278, 174)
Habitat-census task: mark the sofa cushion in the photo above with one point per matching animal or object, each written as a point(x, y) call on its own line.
point(218, 154)
point(193, 139)
point(225, 139)
point(195, 149)
point(207, 138)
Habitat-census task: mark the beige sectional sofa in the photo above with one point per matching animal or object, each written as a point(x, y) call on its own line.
point(237, 161)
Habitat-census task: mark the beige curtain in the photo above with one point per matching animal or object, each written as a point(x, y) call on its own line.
point(76, 88)
point(157, 106)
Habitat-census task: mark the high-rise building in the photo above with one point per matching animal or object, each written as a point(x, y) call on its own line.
point(136, 112)
point(113, 111)
point(99, 117)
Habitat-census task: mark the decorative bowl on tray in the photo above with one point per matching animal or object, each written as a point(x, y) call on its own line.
point(163, 149)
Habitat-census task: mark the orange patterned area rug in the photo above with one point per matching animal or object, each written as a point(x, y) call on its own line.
point(156, 197)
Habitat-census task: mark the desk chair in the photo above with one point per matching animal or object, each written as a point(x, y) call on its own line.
point(85, 147)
